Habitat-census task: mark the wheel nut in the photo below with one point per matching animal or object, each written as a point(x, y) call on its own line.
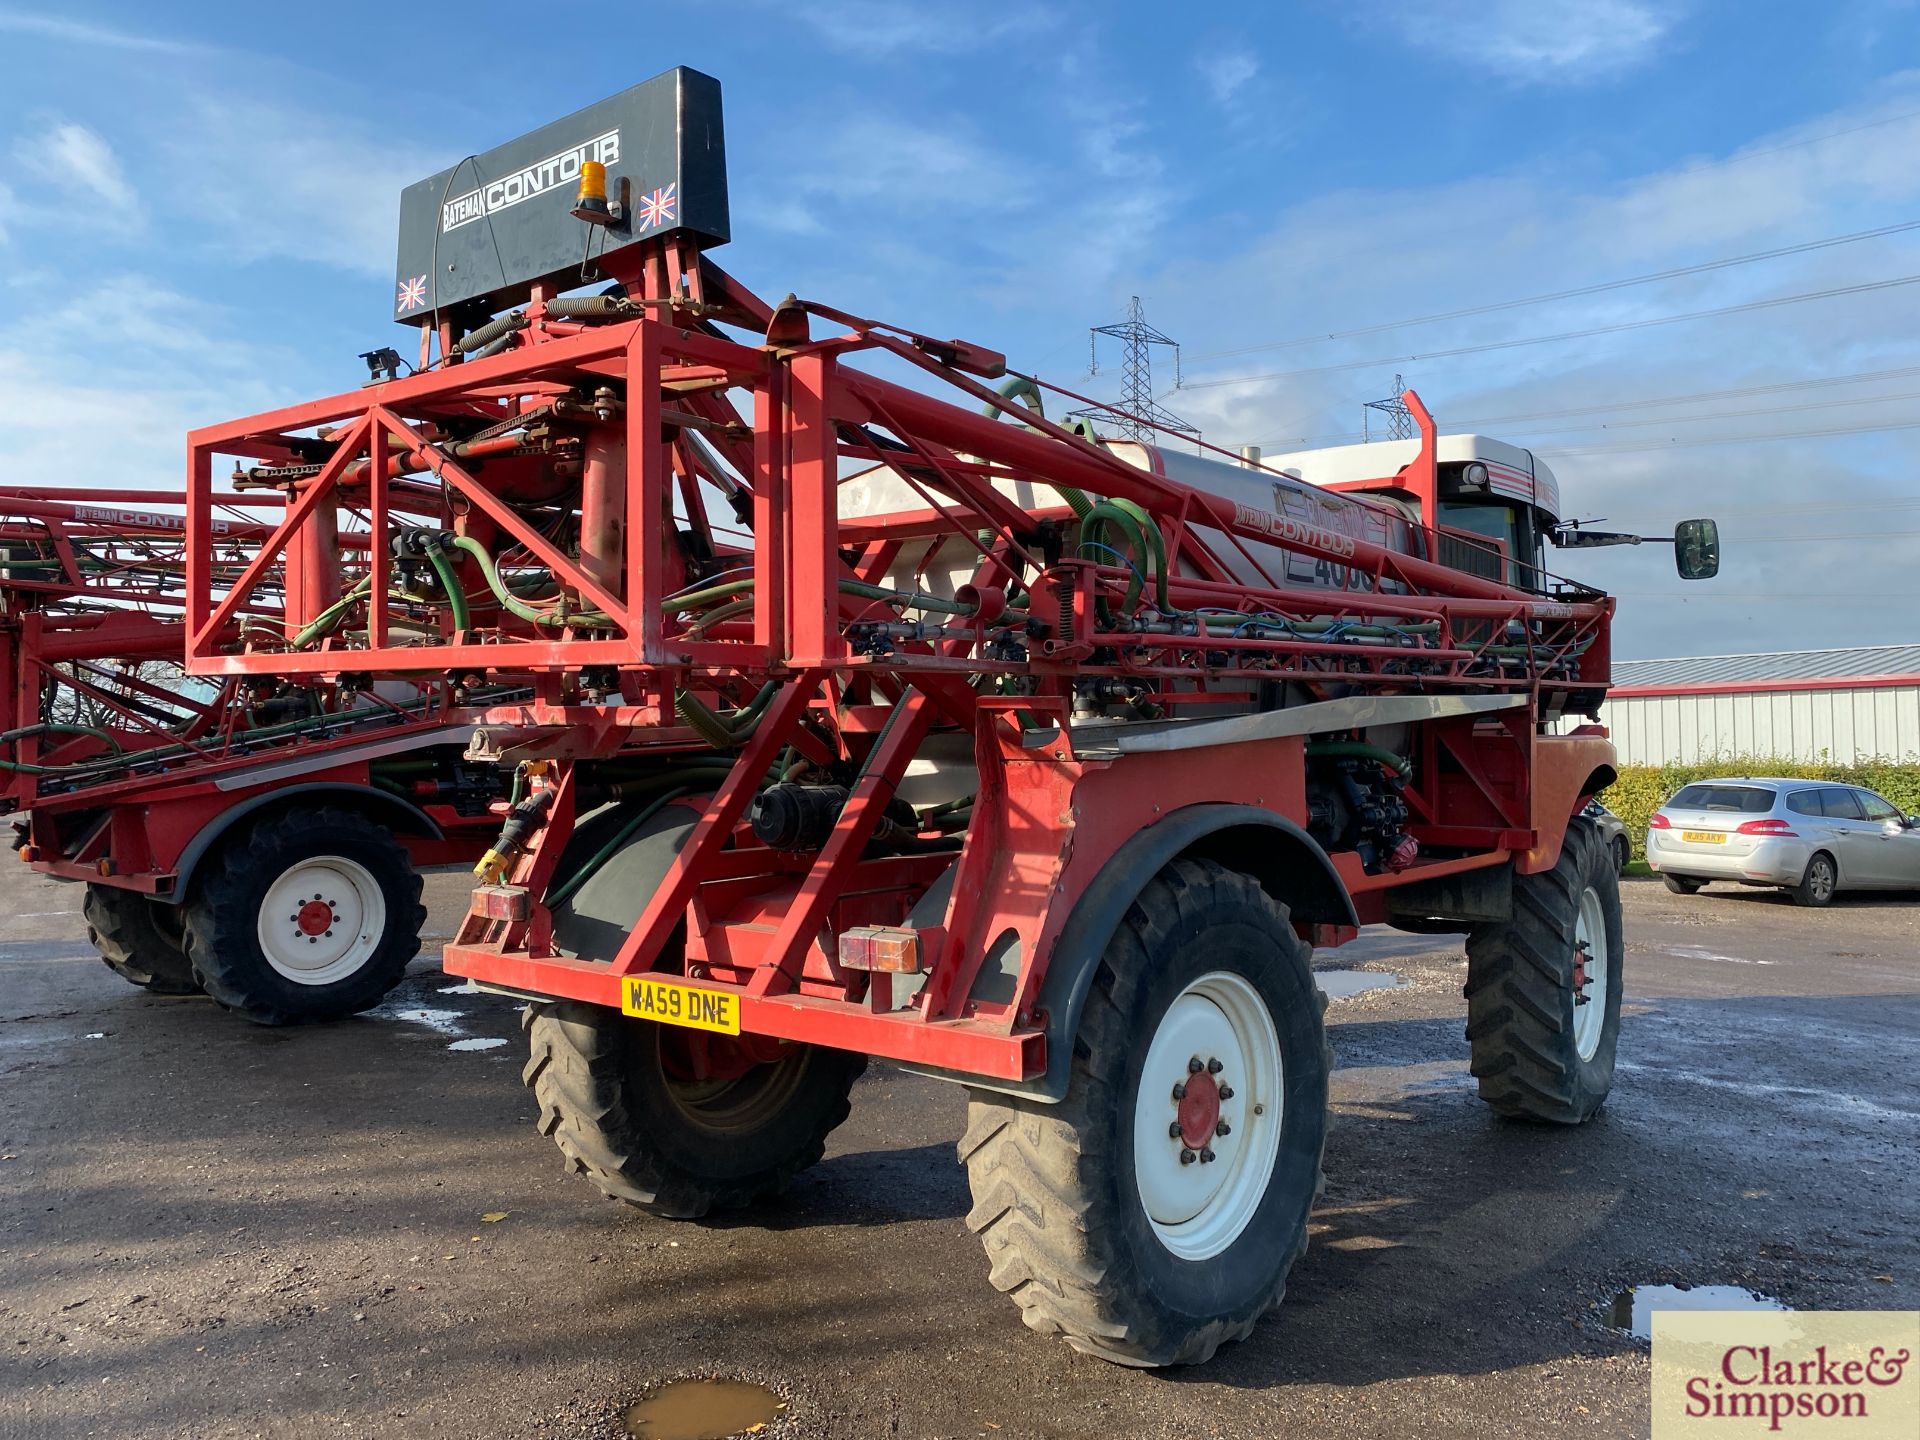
point(1179, 1092)
point(1173, 1131)
point(1187, 1157)
point(1214, 1067)
point(1194, 1067)
point(1206, 1156)
point(1226, 1092)
point(1223, 1128)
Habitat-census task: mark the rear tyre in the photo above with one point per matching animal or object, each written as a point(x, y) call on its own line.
point(1816, 887)
point(308, 914)
point(1543, 988)
point(1680, 885)
point(140, 939)
point(1148, 1226)
point(676, 1122)
point(1622, 853)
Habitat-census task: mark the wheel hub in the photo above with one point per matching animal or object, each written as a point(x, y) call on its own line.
point(315, 917)
point(321, 920)
point(1207, 1115)
point(1199, 1110)
point(1592, 963)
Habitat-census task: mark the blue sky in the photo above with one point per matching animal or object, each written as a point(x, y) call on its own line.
point(197, 212)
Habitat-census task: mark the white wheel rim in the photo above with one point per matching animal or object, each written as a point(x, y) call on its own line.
point(322, 920)
point(1590, 936)
point(1197, 1209)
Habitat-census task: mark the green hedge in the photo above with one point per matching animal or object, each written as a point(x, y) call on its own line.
point(1643, 789)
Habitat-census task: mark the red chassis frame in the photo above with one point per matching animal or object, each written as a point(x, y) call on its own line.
point(91, 587)
point(843, 677)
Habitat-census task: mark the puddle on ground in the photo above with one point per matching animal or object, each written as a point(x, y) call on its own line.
point(703, 1410)
point(447, 1022)
point(1340, 984)
point(1633, 1309)
point(467, 988)
point(487, 1043)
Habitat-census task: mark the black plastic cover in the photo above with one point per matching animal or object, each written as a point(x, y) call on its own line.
point(495, 225)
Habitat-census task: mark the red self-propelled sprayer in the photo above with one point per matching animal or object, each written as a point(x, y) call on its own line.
point(873, 712)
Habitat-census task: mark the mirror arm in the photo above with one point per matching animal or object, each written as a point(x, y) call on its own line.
point(1594, 539)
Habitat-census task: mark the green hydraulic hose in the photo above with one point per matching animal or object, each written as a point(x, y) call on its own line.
point(723, 732)
point(1019, 387)
point(694, 599)
point(450, 583)
point(511, 602)
point(907, 599)
point(327, 619)
point(1359, 750)
point(52, 728)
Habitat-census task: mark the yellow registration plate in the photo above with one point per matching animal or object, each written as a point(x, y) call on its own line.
point(1704, 837)
point(681, 1005)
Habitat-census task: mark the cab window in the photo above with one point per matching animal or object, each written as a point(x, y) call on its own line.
point(1491, 522)
point(1805, 802)
point(1876, 808)
point(1839, 804)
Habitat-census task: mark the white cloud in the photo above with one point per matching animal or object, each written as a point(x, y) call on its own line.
point(1340, 261)
point(271, 181)
point(86, 413)
point(80, 33)
point(72, 158)
point(1227, 73)
point(1543, 41)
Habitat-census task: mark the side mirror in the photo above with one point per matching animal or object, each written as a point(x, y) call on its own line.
point(1696, 549)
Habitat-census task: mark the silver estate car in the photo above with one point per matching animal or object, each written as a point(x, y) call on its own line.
point(1613, 832)
point(1806, 837)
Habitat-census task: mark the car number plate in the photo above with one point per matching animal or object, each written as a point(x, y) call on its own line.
point(681, 1005)
point(1704, 837)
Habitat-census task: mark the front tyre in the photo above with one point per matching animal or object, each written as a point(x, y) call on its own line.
point(678, 1122)
point(1543, 988)
point(311, 913)
point(140, 939)
point(1153, 1214)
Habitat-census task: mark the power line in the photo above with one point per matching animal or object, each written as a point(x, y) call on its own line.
point(1733, 439)
point(1577, 292)
point(1730, 414)
point(1860, 377)
point(1616, 329)
point(1813, 539)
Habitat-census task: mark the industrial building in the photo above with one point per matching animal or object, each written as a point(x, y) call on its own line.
point(1846, 706)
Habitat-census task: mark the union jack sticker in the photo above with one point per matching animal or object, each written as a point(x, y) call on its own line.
point(654, 209)
point(413, 293)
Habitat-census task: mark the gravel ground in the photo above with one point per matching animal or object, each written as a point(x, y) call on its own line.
point(210, 1229)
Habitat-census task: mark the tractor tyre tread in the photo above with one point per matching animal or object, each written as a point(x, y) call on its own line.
point(1041, 1180)
point(121, 926)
